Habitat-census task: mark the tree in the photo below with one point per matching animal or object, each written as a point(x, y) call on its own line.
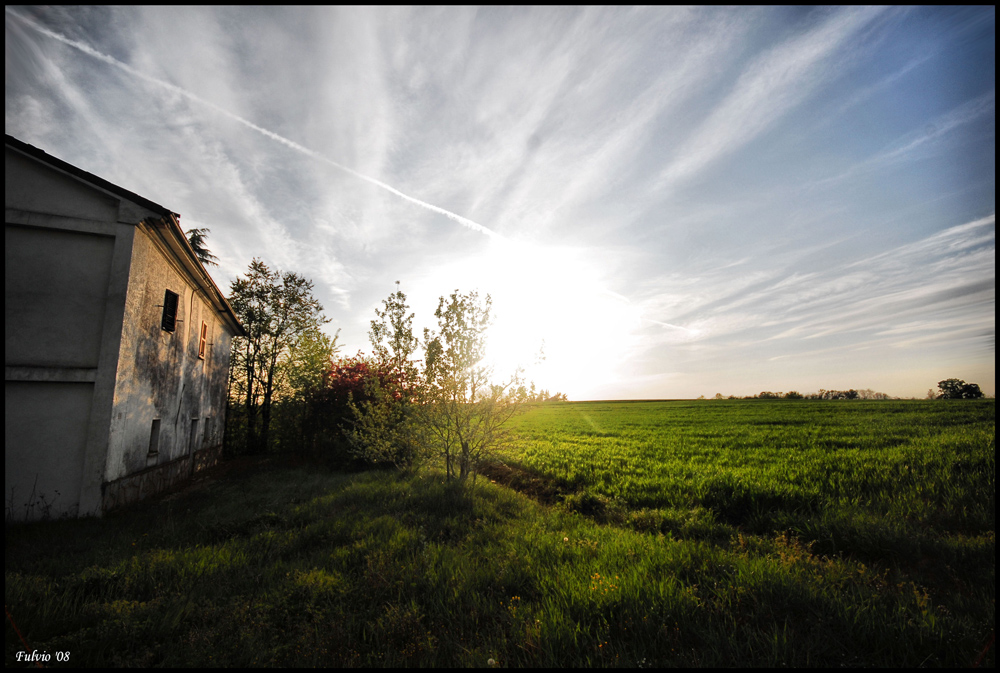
point(465, 408)
point(330, 428)
point(277, 309)
point(385, 424)
point(299, 375)
point(196, 237)
point(957, 389)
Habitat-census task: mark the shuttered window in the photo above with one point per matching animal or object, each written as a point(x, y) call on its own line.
point(202, 340)
point(169, 321)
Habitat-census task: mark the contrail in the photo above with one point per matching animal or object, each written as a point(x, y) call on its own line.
point(90, 51)
point(464, 221)
point(666, 324)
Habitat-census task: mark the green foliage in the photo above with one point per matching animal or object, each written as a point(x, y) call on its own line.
point(196, 237)
point(465, 407)
point(385, 427)
point(282, 350)
point(957, 389)
point(332, 409)
point(451, 407)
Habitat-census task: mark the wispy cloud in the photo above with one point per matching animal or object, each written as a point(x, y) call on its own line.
point(771, 85)
point(894, 292)
point(475, 226)
point(930, 134)
point(619, 150)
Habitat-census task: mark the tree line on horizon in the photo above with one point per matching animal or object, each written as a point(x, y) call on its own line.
point(949, 389)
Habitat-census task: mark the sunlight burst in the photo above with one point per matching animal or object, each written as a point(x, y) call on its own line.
point(552, 301)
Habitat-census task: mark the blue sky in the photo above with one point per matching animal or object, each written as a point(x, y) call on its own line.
point(679, 202)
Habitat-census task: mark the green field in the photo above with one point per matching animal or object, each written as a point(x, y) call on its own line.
point(904, 472)
point(733, 533)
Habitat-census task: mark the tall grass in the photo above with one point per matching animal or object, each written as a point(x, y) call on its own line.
point(730, 562)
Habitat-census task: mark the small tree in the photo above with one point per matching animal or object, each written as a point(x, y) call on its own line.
point(465, 407)
point(329, 415)
point(957, 389)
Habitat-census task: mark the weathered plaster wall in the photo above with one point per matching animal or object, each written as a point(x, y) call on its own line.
point(160, 376)
point(34, 187)
point(45, 439)
point(60, 247)
point(87, 367)
point(57, 286)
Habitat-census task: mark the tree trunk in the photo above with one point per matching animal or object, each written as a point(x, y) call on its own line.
point(268, 395)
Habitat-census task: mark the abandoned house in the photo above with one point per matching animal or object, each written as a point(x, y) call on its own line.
point(117, 344)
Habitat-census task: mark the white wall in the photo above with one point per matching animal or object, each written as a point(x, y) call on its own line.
point(160, 375)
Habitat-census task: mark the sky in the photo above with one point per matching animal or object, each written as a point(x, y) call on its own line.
point(668, 202)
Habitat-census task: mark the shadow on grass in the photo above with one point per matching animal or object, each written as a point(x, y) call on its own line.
point(298, 567)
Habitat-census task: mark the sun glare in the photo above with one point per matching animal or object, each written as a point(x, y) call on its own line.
point(549, 301)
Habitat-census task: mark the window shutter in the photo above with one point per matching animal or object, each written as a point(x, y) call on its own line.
point(169, 321)
point(201, 342)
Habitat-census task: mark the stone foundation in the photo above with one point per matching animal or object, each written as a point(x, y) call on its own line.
point(139, 486)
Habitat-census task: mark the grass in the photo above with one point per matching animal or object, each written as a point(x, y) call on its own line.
point(670, 534)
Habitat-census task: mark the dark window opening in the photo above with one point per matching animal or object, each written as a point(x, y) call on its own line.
point(169, 321)
point(154, 439)
point(193, 442)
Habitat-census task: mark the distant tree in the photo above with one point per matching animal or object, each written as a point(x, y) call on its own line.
point(869, 394)
point(957, 389)
point(793, 395)
point(196, 237)
point(719, 396)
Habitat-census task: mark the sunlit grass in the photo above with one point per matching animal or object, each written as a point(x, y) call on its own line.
point(677, 561)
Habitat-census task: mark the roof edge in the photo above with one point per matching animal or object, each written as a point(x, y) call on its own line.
point(97, 180)
point(177, 242)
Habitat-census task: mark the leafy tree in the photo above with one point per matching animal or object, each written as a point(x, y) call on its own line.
point(277, 310)
point(345, 386)
point(957, 389)
point(299, 375)
point(465, 407)
point(196, 237)
point(385, 424)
